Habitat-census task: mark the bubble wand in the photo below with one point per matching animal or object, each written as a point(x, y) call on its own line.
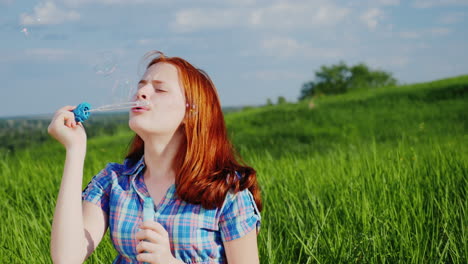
point(83, 110)
point(148, 211)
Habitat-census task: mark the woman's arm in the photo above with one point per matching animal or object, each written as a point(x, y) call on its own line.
point(242, 250)
point(77, 227)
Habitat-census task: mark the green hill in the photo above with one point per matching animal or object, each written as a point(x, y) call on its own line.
point(413, 113)
point(373, 176)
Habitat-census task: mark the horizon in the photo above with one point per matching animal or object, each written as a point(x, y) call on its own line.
point(64, 52)
point(224, 108)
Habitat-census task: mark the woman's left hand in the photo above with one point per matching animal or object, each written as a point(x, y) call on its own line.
point(154, 244)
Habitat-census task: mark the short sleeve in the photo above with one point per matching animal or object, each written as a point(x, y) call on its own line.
point(98, 189)
point(239, 215)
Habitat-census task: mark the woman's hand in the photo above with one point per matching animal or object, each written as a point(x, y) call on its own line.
point(154, 244)
point(64, 128)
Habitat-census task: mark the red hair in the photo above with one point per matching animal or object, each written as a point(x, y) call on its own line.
point(208, 165)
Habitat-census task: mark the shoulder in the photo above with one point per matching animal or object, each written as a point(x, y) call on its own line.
point(239, 215)
point(236, 203)
point(112, 171)
point(128, 167)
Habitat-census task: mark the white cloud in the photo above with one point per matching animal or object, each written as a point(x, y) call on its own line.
point(410, 34)
point(431, 32)
point(159, 3)
point(198, 19)
point(76, 3)
point(371, 17)
point(298, 14)
point(47, 14)
point(451, 18)
point(434, 3)
point(440, 31)
point(277, 15)
point(281, 47)
point(285, 47)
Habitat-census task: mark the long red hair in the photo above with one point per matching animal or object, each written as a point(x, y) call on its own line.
point(209, 165)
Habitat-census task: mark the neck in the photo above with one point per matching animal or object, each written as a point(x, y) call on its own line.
point(160, 156)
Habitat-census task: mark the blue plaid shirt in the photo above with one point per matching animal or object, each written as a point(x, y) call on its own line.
point(196, 234)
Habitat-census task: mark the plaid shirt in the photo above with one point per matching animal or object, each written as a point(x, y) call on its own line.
point(196, 234)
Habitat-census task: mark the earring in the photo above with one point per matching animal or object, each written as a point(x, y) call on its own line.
point(191, 108)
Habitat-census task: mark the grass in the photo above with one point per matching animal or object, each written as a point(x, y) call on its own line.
point(375, 176)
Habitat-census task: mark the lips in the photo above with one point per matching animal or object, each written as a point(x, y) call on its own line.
point(140, 106)
point(139, 109)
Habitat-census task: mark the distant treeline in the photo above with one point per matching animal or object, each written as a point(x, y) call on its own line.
point(17, 133)
point(21, 132)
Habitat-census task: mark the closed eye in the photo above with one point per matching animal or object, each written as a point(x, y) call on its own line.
point(155, 83)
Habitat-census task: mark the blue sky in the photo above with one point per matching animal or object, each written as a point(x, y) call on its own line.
point(63, 52)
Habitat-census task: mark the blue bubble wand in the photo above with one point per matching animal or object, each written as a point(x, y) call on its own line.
point(83, 110)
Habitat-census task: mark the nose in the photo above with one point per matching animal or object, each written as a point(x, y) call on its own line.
point(141, 94)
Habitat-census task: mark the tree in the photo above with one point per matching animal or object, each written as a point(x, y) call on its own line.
point(363, 77)
point(340, 78)
point(281, 100)
point(333, 79)
point(269, 102)
point(308, 90)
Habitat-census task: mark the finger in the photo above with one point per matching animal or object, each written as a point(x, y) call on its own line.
point(68, 122)
point(155, 226)
point(69, 116)
point(146, 257)
point(67, 108)
point(147, 247)
point(60, 120)
point(60, 112)
point(64, 115)
point(149, 235)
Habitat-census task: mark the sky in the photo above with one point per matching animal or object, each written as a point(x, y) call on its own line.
point(64, 52)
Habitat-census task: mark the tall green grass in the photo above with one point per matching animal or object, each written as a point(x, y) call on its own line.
point(374, 176)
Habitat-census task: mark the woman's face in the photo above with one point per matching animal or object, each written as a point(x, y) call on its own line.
point(161, 87)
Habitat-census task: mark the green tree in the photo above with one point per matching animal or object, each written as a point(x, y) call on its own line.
point(269, 102)
point(340, 78)
point(281, 100)
point(363, 77)
point(308, 90)
point(333, 79)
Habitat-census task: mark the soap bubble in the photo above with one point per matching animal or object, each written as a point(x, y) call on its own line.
point(123, 90)
point(106, 64)
point(25, 31)
point(25, 27)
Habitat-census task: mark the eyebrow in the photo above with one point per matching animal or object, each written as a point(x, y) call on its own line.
point(153, 82)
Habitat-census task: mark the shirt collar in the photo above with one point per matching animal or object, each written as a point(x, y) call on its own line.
point(131, 168)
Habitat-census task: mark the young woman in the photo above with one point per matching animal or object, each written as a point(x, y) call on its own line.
point(206, 204)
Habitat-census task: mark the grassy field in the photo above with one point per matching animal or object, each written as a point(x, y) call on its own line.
point(377, 176)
